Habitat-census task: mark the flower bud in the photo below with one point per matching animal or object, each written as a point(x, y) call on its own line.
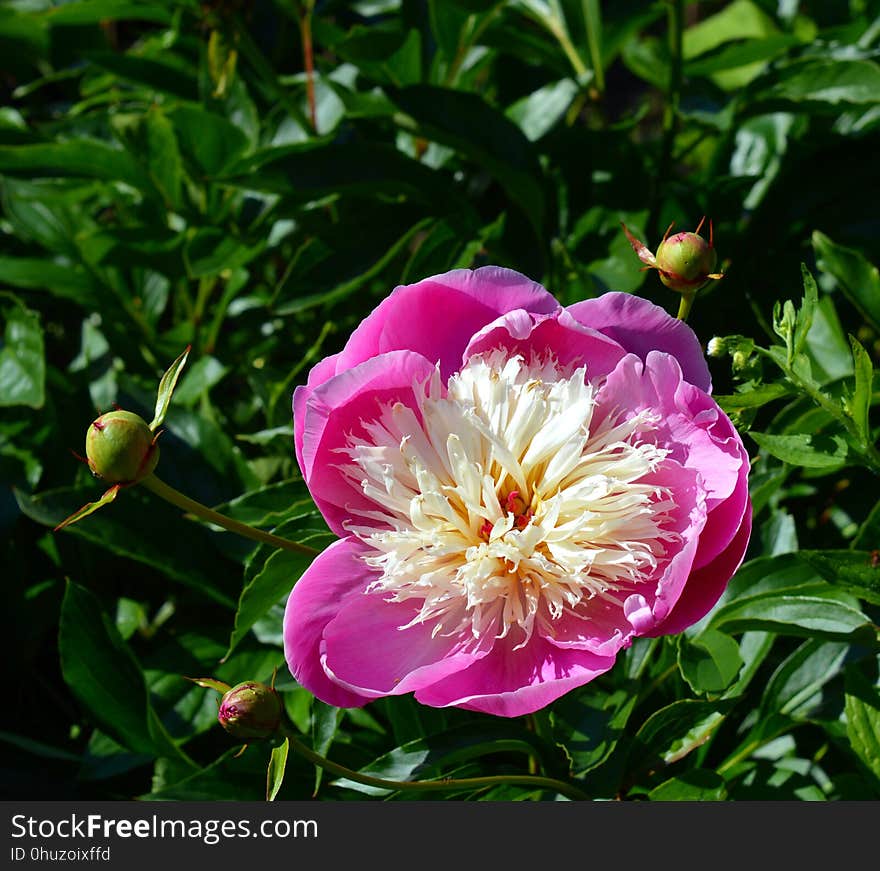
point(740, 361)
point(121, 448)
point(717, 347)
point(686, 262)
point(250, 710)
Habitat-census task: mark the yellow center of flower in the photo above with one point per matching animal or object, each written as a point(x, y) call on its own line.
point(505, 505)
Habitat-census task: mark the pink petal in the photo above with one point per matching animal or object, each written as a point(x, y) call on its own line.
point(319, 374)
point(694, 430)
point(335, 412)
point(368, 652)
point(640, 326)
point(705, 585)
point(569, 342)
point(437, 316)
point(604, 632)
point(509, 683)
point(688, 521)
point(610, 625)
point(335, 576)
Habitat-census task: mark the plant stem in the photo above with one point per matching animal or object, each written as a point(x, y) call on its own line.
point(675, 19)
point(593, 22)
point(309, 60)
point(175, 497)
point(555, 23)
point(684, 307)
point(476, 27)
point(566, 789)
point(675, 28)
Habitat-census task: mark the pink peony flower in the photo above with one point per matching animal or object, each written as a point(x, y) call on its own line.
point(520, 489)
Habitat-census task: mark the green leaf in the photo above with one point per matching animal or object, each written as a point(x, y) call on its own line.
point(754, 397)
point(807, 310)
point(106, 678)
point(65, 281)
point(869, 532)
point(275, 770)
point(22, 357)
point(857, 277)
point(827, 347)
point(710, 662)
point(430, 757)
point(822, 84)
point(277, 578)
point(672, 732)
point(190, 559)
point(309, 171)
point(466, 122)
point(96, 11)
point(856, 571)
point(270, 505)
point(204, 374)
point(210, 683)
point(779, 533)
point(156, 75)
point(210, 251)
point(740, 54)
point(858, 404)
point(326, 720)
point(699, 784)
point(362, 274)
point(90, 507)
point(540, 111)
point(862, 708)
point(811, 450)
point(151, 138)
point(235, 776)
point(741, 19)
point(796, 681)
point(38, 748)
point(779, 574)
point(209, 141)
point(588, 725)
point(166, 389)
point(824, 613)
point(88, 158)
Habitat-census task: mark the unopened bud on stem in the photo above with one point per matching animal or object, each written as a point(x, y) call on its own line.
point(686, 262)
point(250, 710)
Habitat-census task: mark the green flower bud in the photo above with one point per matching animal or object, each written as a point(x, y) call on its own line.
point(121, 448)
point(250, 710)
point(740, 361)
point(717, 347)
point(686, 262)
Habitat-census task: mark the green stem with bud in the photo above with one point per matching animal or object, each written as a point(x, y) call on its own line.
point(684, 307)
point(568, 790)
point(175, 497)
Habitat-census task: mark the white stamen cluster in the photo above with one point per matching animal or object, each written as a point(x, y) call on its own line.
point(505, 506)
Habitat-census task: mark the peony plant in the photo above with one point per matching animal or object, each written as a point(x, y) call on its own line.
point(519, 489)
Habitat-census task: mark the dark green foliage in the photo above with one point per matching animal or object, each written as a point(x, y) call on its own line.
point(171, 176)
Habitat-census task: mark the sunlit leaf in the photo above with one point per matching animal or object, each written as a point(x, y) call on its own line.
point(275, 771)
point(166, 389)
